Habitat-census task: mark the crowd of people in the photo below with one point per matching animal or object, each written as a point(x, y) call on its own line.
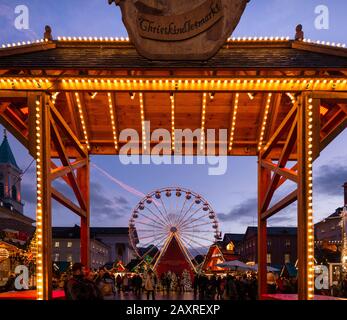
point(84, 284)
point(231, 287)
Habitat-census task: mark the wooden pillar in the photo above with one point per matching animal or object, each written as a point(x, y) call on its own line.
point(83, 176)
point(44, 202)
point(305, 148)
point(264, 178)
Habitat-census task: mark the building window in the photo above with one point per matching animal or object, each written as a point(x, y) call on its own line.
point(287, 243)
point(2, 190)
point(269, 243)
point(14, 193)
point(333, 228)
point(69, 244)
point(69, 258)
point(56, 244)
point(287, 258)
point(268, 258)
point(56, 257)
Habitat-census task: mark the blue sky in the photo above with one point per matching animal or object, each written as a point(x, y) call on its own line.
point(232, 195)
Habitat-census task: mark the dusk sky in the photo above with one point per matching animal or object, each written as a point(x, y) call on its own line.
point(233, 195)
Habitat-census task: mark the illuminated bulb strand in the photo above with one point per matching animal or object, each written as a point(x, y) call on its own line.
point(233, 122)
point(23, 43)
point(172, 98)
point(84, 127)
point(94, 39)
point(39, 209)
point(143, 124)
point(253, 39)
point(203, 121)
point(263, 127)
point(113, 121)
point(310, 227)
point(325, 43)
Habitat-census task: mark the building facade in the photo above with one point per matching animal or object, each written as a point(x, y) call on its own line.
point(67, 247)
point(329, 235)
point(281, 245)
point(107, 245)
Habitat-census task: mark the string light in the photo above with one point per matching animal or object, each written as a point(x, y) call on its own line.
point(84, 127)
point(310, 226)
point(39, 209)
point(203, 121)
point(113, 121)
point(263, 127)
point(233, 122)
point(143, 124)
point(172, 99)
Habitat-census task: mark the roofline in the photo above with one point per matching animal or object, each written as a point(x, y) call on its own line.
point(307, 45)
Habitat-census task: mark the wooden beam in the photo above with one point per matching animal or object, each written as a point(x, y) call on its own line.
point(284, 172)
point(67, 130)
point(304, 203)
point(56, 195)
point(285, 202)
point(74, 116)
point(264, 178)
point(34, 47)
point(46, 248)
point(312, 47)
point(65, 161)
point(279, 132)
point(290, 143)
point(64, 170)
point(15, 131)
point(333, 134)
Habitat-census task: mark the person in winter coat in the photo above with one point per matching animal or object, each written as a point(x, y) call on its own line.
point(150, 285)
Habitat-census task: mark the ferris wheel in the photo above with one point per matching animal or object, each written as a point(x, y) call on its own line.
point(173, 210)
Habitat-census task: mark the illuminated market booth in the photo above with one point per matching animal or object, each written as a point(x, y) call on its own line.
point(281, 101)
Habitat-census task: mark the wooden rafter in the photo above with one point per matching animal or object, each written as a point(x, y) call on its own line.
point(58, 196)
point(56, 138)
point(279, 132)
point(288, 148)
point(280, 205)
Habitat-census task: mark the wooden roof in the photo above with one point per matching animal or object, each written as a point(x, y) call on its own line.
point(283, 60)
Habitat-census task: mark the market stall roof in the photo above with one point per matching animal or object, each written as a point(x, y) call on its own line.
point(101, 87)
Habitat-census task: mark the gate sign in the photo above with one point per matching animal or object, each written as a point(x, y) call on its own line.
point(180, 29)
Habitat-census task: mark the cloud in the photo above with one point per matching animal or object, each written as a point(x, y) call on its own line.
point(330, 178)
point(103, 208)
point(244, 212)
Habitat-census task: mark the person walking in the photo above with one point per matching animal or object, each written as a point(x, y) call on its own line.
point(77, 287)
point(150, 285)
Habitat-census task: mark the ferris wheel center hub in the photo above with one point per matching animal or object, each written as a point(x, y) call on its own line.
point(173, 229)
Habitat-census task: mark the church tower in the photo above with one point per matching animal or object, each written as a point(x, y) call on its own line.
point(10, 179)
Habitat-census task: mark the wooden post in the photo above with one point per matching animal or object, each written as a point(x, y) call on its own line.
point(264, 178)
point(83, 176)
point(45, 248)
point(305, 142)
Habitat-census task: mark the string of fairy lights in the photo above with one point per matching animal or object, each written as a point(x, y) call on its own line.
point(62, 39)
point(172, 99)
point(133, 85)
point(39, 209)
point(203, 121)
point(113, 121)
point(83, 123)
point(233, 121)
point(310, 226)
point(263, 126)
point(143, 121)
